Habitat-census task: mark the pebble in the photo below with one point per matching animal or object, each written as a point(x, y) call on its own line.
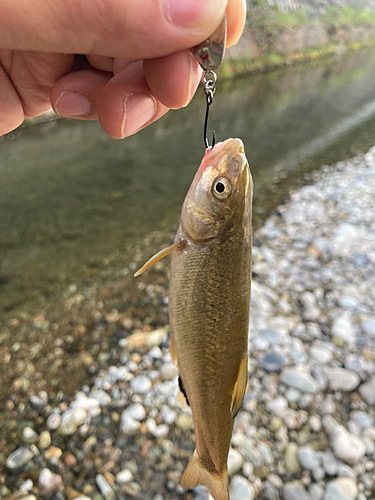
point(124, 476)
point(273, 362)
point(101, 396)
point(53, 421)
point(343, 328)
point(235, 461)
point(48, 482)
point(367, 391)
point(308, 458)
point(44, 439)
point(348, 486)
point(141, 384)
point(27, 485)
point(368, 326)
point(168, 371)
point(241, 489)
point(299, 379)
point(71, 420)
point(341, 379)
point(105, 489)
point(295, 491)
point(321, 354)
point(347, 446)
point(19, 458)
point(29, 435)
point(292, 463)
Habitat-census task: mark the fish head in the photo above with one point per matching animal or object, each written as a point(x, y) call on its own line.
point(219, 198)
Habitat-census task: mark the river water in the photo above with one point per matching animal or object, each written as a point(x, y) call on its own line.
point(72, 199)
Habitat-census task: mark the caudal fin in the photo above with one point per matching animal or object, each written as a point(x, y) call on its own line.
point(196, 473)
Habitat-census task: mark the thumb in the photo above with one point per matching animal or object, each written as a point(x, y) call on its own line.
point(117, 28)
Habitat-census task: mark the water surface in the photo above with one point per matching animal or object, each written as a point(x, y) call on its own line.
point(71, 197)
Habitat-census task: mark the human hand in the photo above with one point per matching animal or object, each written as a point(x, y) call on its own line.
point(138, 64)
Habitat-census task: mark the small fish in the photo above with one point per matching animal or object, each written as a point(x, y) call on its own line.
point(209, 304)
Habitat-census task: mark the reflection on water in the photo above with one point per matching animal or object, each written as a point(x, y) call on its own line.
point(71, 196)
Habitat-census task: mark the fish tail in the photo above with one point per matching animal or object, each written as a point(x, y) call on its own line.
point(196, 473)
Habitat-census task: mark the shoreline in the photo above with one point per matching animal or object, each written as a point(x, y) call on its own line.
point(307, 423)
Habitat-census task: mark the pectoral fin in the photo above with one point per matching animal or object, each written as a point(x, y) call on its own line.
point(239, 388)
point(163, 253)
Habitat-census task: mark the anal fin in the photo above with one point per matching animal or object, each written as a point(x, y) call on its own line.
point(240, 387)
point(181, 394)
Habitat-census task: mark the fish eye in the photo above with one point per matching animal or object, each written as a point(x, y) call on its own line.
point(221, 188)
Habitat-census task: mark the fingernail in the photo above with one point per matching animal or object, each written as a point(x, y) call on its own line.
point(139, 110)
point(194, 13)
point(70, 104)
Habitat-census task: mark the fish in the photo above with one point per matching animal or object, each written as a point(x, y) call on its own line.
point(209, 306)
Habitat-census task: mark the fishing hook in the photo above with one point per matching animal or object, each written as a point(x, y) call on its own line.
point(209, 90)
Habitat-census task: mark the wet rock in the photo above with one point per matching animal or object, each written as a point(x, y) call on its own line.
point(343, 328)
point(299, 379)
point(141, 384)
point(273, 362)
point(124, 476)
point(241, 489)
point(53, 421)
point(19, 458)
point(71, 420)
point(367, 391)
point(292, 463)
point(295, 491)
point(347, 446)
point(342, 379)
point(48, 482)
point(104, 487)
point(308, 458)
point(235, 461)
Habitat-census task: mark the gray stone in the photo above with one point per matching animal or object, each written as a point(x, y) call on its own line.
point(19, 458)
point(343, 328)
point(308, 458)
point(141, 384)
point(273, 362)
point(368, 391)
point(316, 492)
point(333, 492)
point(329, 463)
point(103, 398)
point(235, 461)
point(347, 446)
point(124, 476)
point(348, 486)
point(48, 482)
point(71, 420)
point(368, 326)
point(241, 489)
point(321, 354)
point(341, 379)
point(299, 379)
point(295, 491)
point(53, 421)
point(104, 487)
point(355, 363)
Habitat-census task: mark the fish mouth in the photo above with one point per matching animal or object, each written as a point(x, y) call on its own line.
point(229, 146)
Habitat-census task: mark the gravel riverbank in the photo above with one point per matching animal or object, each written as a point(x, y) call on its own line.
point(307, 426)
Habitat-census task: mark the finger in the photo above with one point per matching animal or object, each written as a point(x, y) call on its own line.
point(126, 103)
point(76, 95)
point(139, 28)
point(102, 63)
point(173, 79)
point(236, 17)
point(11, 110)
